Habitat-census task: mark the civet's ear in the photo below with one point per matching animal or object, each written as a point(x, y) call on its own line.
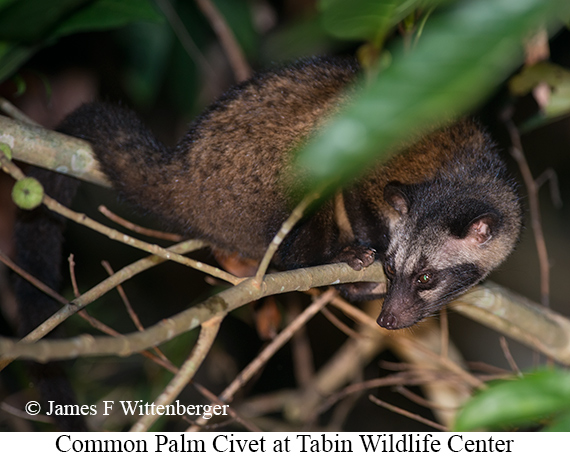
point(397, 195)
point(481, 229)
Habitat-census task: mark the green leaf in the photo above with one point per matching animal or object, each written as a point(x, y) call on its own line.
point(29, 21)
point(518, 402)
point(5, 3)
point(364, 19)
point(182, 81)
point(557, 77)
point(12, 56)
point(21, 85)
point(292, 41)
point(464, 52)
point(108, 14)
point(147, 48)
point(28, 25)
point(559, 424)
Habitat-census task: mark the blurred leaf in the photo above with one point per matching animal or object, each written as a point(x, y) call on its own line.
point(39, 22)
point(518, 402)
point(147, 47)
point(537, 121)
point(365, 19)
point(183, 81)
point(529, 77)
point(557, 77)
point(559, 424)
point(295, 40)
point(559, 103)
point(12, 56)
point(20, 85)
point(107, 14)
point(5, 3)
point(30, 21)
point(464, 52)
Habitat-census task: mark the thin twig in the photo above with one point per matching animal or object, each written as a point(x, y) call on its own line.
point(356, 388)
point(357, 314)
point(303, 365)
point(31, 279)
point(186, 320)
point(487, 368)
point(132, 314)
point(470, 380)
point(216, 401)
point(279, 341)
point(15, 113)
point(342, 411)
point(71, 262)
point(534, 206)
point(124, 297)
point(131, 241)
point(286, 227)
point(185, 374)
point(95, 323)
point(420, 400)
point(82, 219)
point(235, 55)
point(339, 324)
point(71, 308)
point(550, 176)
point(23, 415)
point(186, 40)
point(160, 359)
point(137, 228)
point(405, 413)
point(4, 362)
point(509, 356)
point(403, 339)
point(255, 365)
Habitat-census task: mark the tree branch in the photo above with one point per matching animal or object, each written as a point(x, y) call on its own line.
point(167, 329)
point(493, 306)
point(52, 150)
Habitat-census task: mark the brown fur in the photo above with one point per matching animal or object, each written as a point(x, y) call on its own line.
point(440, 215)
point(229, 180)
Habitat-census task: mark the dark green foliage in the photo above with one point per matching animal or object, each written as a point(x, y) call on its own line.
point(539, 396)
point(28, 25)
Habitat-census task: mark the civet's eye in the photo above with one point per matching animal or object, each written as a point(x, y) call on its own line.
point(424, 278)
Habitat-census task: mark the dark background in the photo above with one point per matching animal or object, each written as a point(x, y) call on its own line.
point(103, 65)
